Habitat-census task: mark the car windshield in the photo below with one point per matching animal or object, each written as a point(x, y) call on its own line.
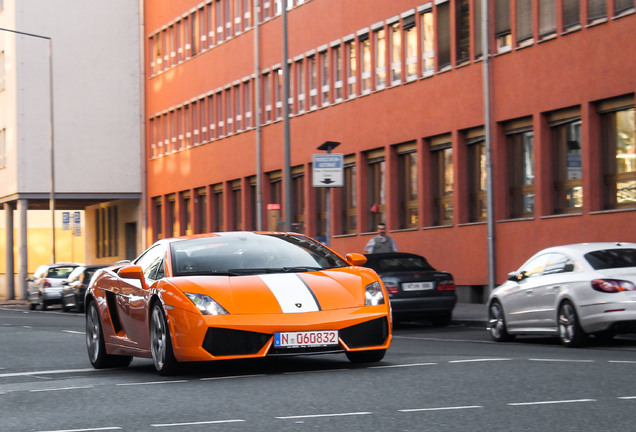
point(59, 272)
point(398, 263)
point(611, 258)
point(251, 253)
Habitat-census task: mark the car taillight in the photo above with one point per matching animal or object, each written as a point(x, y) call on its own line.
point(391, 287)
point(46, 283)
point(446, 285)
point(612, 285)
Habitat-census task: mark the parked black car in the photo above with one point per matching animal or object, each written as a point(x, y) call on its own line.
point(74, 288)
point(416, 289)
point(46, 284)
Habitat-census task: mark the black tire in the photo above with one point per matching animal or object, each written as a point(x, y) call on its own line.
point(42, 304)
point(32, 306)
point(442, 320)
point(497, 323)
point(64, 307)
point(95, 343)
point(161, 343)
point(373, 356)
point(570, 332)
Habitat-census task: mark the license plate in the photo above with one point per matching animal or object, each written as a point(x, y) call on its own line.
point(417, 286)
point(306, 339)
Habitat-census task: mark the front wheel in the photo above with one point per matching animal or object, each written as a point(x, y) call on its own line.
point(373, 356)
point(497, 323)
point(570, 332)
point(160, 342)
point(95, 343)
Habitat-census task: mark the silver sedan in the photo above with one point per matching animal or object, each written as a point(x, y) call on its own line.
point(571, 291)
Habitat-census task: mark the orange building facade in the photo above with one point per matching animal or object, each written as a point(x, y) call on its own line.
point(399, 84)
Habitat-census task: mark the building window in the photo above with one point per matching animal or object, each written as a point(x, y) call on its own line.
point(3, 148)
point(218, 223)
point(380, 58)
point(313, 82)
point(209, 17)
point(203, 120)
point(253, 211)
point(201, 208)
point(106, 229)
point(179, 123)
point(571, 14)
point(237, 206)
point(520, 141)
point(238, 16)
point(428, 43)
point(187, 126)
point(321, 214)
point(352, 68)
point(477, 177)
point(337, 72)
point(228, 19)
point(152, 138)
point(229, 112)
point(502, 25)
point(247, 103)
point(619, 153)
point(220, 34)
point(238, 109)
point(300, 86)
point(443, 184)
point(396, 53)
point(267, 97)
point(247, 14)
point(443, 35)
point(211, 116)
point(596, 10)
point(462, 31)
point(376, 169)
point(277, 76)
point(298, 201)
point(622, 6)
point(365, 46)
point(185, 211)
point(407, 183)
point(410, 37)
point(524, 21)
point(324, 77)
point(349, 203)
point(547, 18)
point(567, 165)
point(477, 25)
point(157, 213)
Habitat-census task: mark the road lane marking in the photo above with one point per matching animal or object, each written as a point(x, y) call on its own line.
point(441, 408)
point(324, 415)
point(232, 377)
point(480, 360)
point(622, 361)
point(46, 372)
point(562, 360)
point(401, 365)
point(627, 397)
point(85, 430)
point(60, 388)
point(152, 383)
point(73, 332)
point(197, 423)
point(551, 402)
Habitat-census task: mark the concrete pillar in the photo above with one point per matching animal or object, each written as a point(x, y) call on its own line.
point(24, 269)
point(10, 275)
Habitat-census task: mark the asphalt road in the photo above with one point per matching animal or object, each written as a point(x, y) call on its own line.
point(432, 379)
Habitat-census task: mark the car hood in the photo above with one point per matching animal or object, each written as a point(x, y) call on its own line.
point(281, 292)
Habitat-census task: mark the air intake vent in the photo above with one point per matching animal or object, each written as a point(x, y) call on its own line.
point(225, 342)
point(370, 333)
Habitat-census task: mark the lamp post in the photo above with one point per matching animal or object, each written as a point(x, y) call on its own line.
point(51, 133)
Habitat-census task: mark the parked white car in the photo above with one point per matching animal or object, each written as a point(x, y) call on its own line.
point(571, 291)
point(45, 286)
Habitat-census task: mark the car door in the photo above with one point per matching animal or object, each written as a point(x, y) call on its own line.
point(521, 303)
point(134, 297)
point(554, 279)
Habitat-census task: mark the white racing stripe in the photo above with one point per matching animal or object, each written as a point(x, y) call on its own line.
point(291, 292)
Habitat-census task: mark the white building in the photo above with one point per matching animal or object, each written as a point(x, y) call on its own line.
point(85, 127)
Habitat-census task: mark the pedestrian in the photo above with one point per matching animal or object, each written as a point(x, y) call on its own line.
point(381, 242)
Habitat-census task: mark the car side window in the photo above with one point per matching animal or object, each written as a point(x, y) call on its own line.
point(151, 262)
point(534, 267)
point(558, 263)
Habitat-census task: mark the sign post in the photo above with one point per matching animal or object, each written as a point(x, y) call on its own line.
point(328, 172)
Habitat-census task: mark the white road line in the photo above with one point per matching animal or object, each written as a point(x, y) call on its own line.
point(85, 430)
point(73, 332)
point(152, 383)
point(232, 377)
point(622, 361)
point(551, 402)
point(627, 397)
point(60, 388)
point(441, 408)
point(197, 423)
point(480, 360)
point(46, 372)
point(316, 371)
point(562, 360)
point(401, 365)
point(324, 415)
point(445, 340)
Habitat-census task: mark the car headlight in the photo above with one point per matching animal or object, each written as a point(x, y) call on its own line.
point(373, 295)
point(206, 305)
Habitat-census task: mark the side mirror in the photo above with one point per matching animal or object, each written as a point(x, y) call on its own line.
point(516, 277)
point(131, 272)
point(356, 259)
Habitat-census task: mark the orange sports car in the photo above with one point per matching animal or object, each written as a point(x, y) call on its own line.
point(236, 295)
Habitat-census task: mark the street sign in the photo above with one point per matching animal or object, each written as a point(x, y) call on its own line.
point(66, 220)
point(328, 170)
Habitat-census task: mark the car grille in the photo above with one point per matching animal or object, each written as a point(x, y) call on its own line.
point(368, 333)
point(225, 342)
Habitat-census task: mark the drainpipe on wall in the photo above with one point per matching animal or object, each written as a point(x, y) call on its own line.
point(257, 117)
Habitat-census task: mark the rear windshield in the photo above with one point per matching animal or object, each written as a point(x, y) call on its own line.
point(59, 272)
point(612, 258)
point(405, 263)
